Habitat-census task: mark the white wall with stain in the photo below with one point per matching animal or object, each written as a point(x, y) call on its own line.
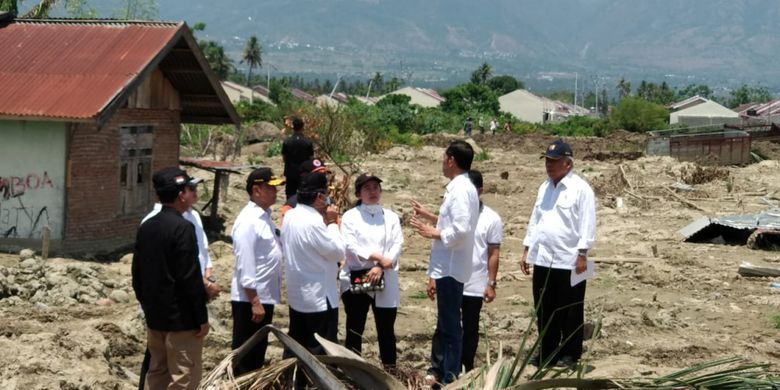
point(32, 178)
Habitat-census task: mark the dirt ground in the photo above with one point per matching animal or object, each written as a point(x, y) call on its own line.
point(662, 304)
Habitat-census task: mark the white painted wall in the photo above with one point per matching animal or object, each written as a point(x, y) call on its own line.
point(32, 178)
point(524, 105)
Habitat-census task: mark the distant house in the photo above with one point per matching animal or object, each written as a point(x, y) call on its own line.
point(301, 95)
point(88, 111)
point(699, 111)
point(529, 107)
point(239, 93)
point(421, 96)
point(760, 112)
point(340, 98)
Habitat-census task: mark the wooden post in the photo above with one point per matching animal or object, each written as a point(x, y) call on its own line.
point(215, 197)
point(46, 236)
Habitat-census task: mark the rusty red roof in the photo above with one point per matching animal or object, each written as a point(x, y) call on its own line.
point(75, 70)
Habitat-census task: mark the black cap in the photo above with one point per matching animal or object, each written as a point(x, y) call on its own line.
point(262, 175)
point(557, 150)
point(313, 182)
point(313, 165)
point(365, 178)
point(172, 179)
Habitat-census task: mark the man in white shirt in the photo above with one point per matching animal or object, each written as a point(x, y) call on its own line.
point(560, 232)
point(450, 261)
point(312, 250)
point(482, 285)
point(256, 284)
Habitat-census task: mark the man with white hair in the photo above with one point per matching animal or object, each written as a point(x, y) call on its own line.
point(560, 232)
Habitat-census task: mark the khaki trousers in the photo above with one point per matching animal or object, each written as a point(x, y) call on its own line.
point(176, 360)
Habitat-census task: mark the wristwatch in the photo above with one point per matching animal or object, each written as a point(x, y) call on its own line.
point(582, 252)
point(211, 279)
point(492, 283)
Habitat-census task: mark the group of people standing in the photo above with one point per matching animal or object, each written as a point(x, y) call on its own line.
point(353, 259)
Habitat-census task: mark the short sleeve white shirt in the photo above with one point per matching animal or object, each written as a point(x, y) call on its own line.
point(365, 233)
point(258, 256)
point(203, 241)
point(489, 232)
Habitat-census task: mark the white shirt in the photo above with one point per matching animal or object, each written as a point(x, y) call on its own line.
point(312, 252)
point(458, 215)
point(203, 241)
point(258, 254)
point(489, 232)
point(365, 233)
point(563, 220)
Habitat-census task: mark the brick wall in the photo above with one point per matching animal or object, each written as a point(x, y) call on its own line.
point(93, 210)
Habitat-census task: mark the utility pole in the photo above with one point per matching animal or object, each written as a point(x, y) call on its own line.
point(576, 79)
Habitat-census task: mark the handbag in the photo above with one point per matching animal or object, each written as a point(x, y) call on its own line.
point(358, 282)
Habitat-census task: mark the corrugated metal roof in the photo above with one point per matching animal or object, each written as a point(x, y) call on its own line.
point(76, 69)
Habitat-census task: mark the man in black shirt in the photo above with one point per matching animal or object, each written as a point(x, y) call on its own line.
point(169, 285)
point(295, 150)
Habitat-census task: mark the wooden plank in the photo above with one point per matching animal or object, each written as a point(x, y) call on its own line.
point(750, 270)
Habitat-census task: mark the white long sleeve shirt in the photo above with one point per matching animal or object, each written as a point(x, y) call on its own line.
point(312, 251)
point(563, 220)
point(490, 231)
point(458, 215)
point(365, 233)
point(258, 253)
point(203, 241)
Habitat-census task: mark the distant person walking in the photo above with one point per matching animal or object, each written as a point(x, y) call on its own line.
point(482, 285)
point(168, 283)
point(257, 277)
point(560, 232)
point(373, 238)
point(450, 260)
point(295, 150)
point(467, 125)
point(493, 126)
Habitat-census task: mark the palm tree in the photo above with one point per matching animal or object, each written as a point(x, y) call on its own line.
point(624, 87)
point(252, 56)
point(482, 74)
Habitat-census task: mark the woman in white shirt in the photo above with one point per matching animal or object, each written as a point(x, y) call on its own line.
point(373, 239)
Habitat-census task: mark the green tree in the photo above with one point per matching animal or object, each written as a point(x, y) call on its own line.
point(470, 97)
point(9, 6)
point(215, 55)
point(502, 85)
point(482, 74)
point(252, 57)
point(138, 10)
point(377, 84)
point(692, 90)
point(564, 96)
point(638, 115)
point(624, 88)
point(749, 94)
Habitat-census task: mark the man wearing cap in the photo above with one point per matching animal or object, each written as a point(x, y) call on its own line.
point(169, 285)
point(256, 284)
point(560, 232)
point(312, 249)
point(209, 282)
point(295, 150)
point(450, 261)
point(306, 167)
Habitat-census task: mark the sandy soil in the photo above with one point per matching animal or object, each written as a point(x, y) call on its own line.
point(663, 304)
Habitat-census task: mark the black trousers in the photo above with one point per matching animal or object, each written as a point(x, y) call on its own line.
point(470, 309)
point(356, 308)
point(303, 326)
point(291, 184)
point(560, 308)
point(243, 329)
point(144, 369)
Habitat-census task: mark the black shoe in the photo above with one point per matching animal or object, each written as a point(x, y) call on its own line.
point(534, 361)
point(566, 362)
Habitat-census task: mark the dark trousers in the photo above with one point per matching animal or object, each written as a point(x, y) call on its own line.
point(560, 308)
point(356, 308)
point(303, 326)
point(447, 343)
point(144, 368)
point(243, 329)
point(470, 307)
point(291, 185)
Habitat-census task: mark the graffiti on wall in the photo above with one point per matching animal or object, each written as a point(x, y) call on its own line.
point(20, 215)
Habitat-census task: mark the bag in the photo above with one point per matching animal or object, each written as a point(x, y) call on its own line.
point(358, 282)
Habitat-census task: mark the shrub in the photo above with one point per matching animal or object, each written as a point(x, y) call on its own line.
point(637, 115)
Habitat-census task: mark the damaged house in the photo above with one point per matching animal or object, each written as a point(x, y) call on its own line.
point(88, 111)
